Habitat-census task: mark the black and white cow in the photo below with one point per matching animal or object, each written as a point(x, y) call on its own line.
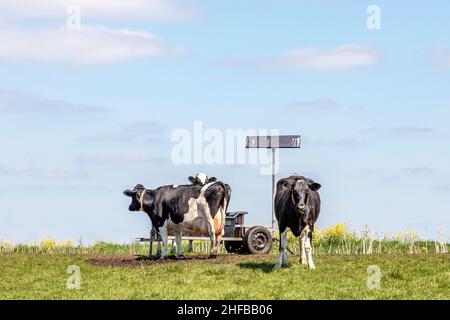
point(197, 209)
point(297, 207)
point(201, 179)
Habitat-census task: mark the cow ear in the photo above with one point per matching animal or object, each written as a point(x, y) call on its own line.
point(191, 179)
point(212, 179)
point(285, 184)
point(314, 186)
point(129, 193)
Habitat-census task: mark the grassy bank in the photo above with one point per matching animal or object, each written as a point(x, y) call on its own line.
point(44, 276)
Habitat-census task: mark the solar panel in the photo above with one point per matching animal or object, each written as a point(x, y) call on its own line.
point(274, 142)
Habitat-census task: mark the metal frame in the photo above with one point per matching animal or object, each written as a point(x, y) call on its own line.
point(238, 229)
point(273, 142)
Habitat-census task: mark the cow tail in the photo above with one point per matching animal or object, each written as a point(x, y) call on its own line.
point(223, 217)
point(225, 202)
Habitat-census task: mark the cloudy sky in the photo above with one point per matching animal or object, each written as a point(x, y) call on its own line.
point(88, 112)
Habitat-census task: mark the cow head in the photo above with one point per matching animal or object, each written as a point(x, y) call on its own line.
point(201, 179)
point(140, 198)
point(300, 193)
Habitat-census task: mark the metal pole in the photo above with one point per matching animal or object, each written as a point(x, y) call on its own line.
point(273, 188)
point(150, 250)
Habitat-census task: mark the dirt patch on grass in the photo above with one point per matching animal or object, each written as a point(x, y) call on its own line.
point(140, 261)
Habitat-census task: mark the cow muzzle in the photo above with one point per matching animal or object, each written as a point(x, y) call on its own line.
point(302, 208)
point(128, 193)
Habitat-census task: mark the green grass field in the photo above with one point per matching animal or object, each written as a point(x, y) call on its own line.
point(44, 276)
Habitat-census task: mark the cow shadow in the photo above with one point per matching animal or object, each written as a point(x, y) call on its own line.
point(153, 258)
point(265, 267)
point(146, 258)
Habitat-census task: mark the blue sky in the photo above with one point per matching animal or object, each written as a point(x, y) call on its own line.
point(86, 113)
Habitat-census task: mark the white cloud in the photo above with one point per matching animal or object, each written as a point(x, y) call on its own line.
point(440, 57)
point(445, 188)
point(50, 172)
point(400, 130)
point(345, 142)
point(11, 101)
point(406, 130)
point(130, 131)
point(343, 57)
point(323, 104)
point(121, 158)
point(418, 170)
point(146, 10)
point(371, 130)
point(335, 59)
point(86, 46)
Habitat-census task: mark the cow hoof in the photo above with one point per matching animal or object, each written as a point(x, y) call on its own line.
point(276, 267)
point(213, 256)
point(303, 262)
point(162, 259)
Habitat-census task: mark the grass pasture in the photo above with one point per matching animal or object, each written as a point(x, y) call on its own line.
point(410, 269)
point(403, 276)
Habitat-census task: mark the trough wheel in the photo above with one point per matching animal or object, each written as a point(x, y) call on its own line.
point(258, 240)
point(234, 246)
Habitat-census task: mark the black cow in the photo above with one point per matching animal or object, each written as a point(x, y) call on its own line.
point(297, 207)
point(186, 209)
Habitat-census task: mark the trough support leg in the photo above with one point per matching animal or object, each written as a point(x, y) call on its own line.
point(150, 250)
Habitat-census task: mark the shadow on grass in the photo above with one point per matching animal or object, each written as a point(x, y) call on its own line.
point(171, 257)
point(265, 267)
point(154, 258)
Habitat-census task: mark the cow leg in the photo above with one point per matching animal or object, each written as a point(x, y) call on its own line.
point(308, 249)
point(212, 236)
point(220, 228)
point(173, 248)
point(213, 250)
point(164, 235)
point(303, 237)
point(285, 258)
point(178, 238)
point(218, 241)
point(282, 259)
